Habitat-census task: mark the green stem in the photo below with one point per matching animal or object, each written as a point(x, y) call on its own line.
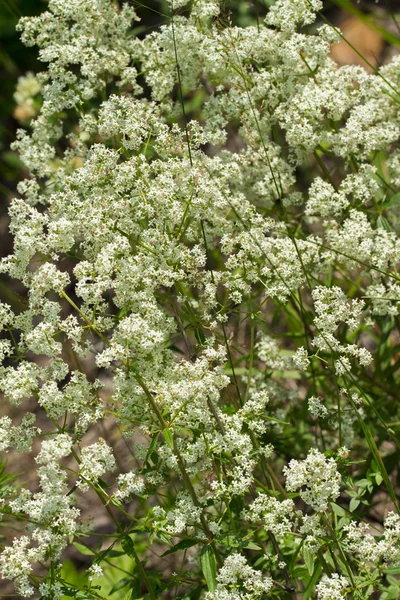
point(182, 468)
point(342, 554)
point(250, 371)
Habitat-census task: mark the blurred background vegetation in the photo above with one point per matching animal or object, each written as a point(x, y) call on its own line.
point(372, 28)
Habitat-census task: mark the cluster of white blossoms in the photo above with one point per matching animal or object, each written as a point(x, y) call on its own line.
point(129, 484)
point(20, 436)
point(371, 549)
point(50, 512)
point(332, 588)
point(276, 516)
point(173, 245)
point(237, 580)
point(95, 460)
point(316, 477)
point(317, 408)
point(332, 308)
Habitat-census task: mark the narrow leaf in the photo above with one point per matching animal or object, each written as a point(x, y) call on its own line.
point(83, 549)
point(105, 553)
point(209, 567)
point(167, 433)
point(338, 510)
point(392, 201)
point(308, 560)
point(354, 502)
point(309, 591)
point(120, 584)
point(383, 223)
point(128, 547)
point(378, 458)
point(183, 545)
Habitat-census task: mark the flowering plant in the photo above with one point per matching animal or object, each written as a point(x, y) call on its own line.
point(228, 273)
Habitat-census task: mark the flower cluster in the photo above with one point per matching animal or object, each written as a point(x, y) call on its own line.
point(206, 244)
point(318, 476)
point(237, 580)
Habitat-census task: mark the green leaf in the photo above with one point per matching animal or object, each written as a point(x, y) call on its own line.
point(236, 504)
point(105, 553)
point(378, 458)
point(383, 223)
point(308, 560)
point(378, 478)
point(83, 549)
point(275, 420)
point(168, 437)
point(338, 510)
point(354, 502)
point(128, 547)
point(176, 349)
point(182, 545)
point(199, 335)
point(374, 466)
point(115, 553)
point(83, 595)
point(164, 538)
point(102, 484)
point(235, 541)
point(251, 546)
point(120, 584)
point(209, 567)
point(308, 592)
point(393, 200)
point(288, 374)
point(230, 541)
point(68, 591)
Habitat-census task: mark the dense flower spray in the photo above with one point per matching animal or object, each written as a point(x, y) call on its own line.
point(230, 272)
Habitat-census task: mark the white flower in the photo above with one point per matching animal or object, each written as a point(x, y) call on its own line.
point(316, 408)
point(236, 574)
point(276, 516)
point(332, 588)
point(96, 460)
point(129, 484)
point(95, 571)
point(316, 478)
point(286, 14)
point(300, 358)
